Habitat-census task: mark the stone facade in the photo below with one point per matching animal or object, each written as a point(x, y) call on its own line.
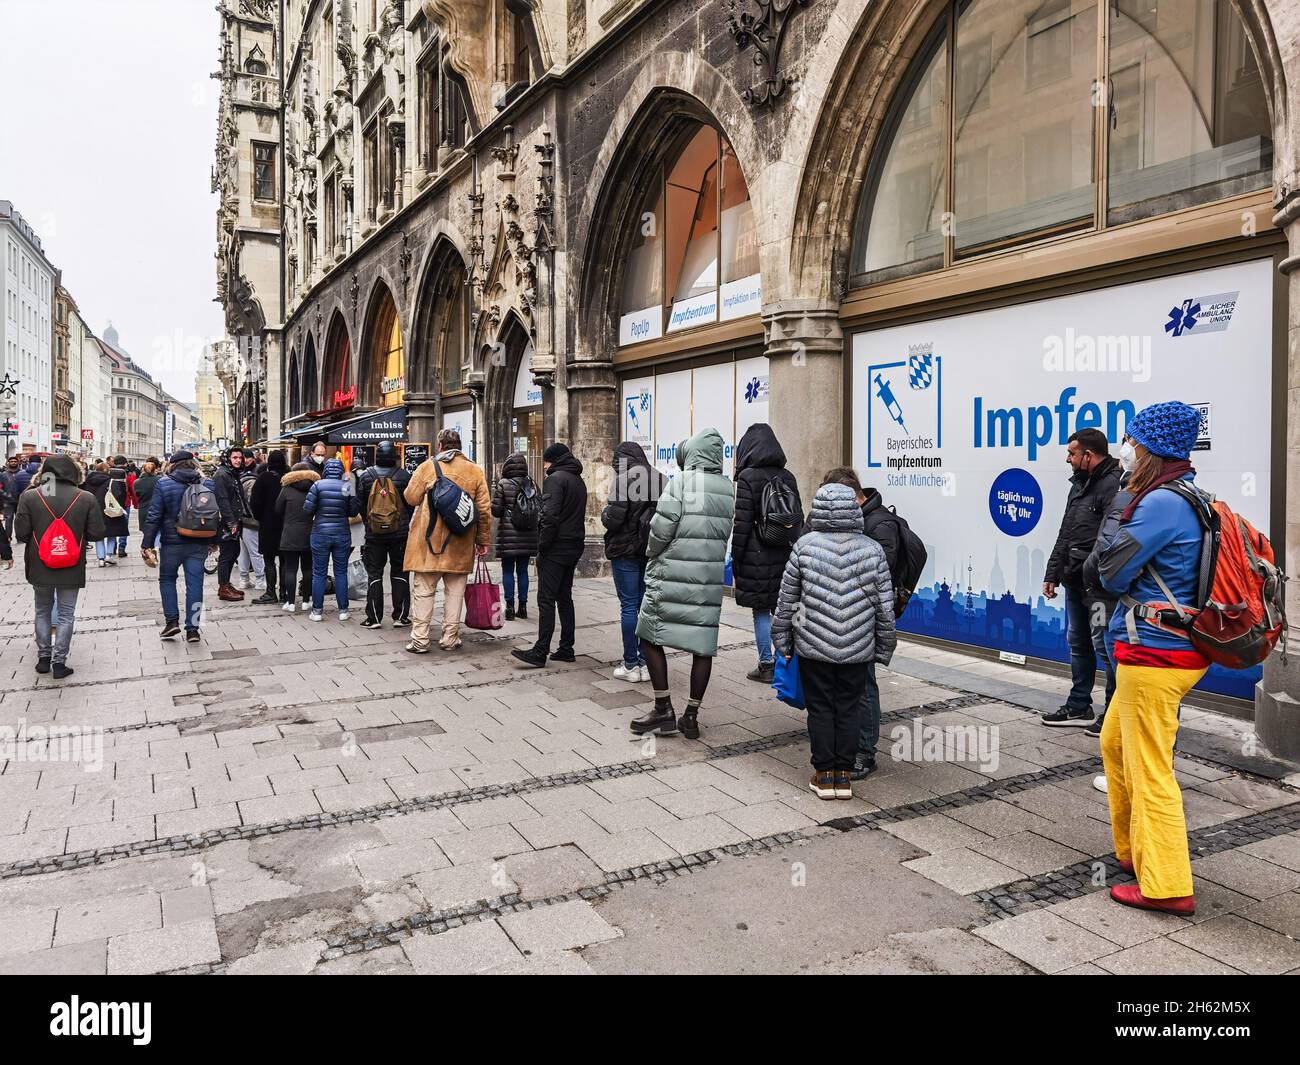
point(475, 167)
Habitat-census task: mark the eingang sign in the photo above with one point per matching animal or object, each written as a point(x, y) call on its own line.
point(962, 423)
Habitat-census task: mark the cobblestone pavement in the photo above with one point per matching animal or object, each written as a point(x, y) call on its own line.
point(293, 797)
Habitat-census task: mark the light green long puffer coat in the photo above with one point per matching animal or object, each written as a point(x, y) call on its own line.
point(688, 550)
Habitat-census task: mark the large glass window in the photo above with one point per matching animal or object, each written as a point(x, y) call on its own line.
point(388, 355)
point(694, 250)
point(994, 138)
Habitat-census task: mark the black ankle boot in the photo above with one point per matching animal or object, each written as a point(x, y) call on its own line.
point(522, 612)
point(662, 719)
point(690, 723)
point(510, 611)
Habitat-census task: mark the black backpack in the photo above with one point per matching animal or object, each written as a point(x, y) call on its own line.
point(780, 514)
point(525, 513)
point(912, 557)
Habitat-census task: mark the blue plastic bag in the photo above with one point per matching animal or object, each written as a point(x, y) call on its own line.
point(787, 683)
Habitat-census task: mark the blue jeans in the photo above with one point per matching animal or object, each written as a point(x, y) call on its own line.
point(515, 567)
point(189, 558)
point(325, 546)
point(763, 635)
point(121, 540)
point(56, 608)
point(629, 583)
point(1087, 642)
point(103, 548)
point(869, 707)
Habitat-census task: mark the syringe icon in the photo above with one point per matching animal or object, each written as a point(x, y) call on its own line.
point(886, 395)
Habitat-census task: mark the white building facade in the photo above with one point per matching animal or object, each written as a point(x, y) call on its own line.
point(25, 331)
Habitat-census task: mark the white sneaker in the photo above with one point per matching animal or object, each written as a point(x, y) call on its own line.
point(242, 584)
point(260, 584)
point(344, 615)
point(644, 672)
point(289, 608)
point(630, 675)
point(317, 617)
point(1099, 782)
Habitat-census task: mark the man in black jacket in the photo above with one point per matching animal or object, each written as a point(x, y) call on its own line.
point(1092, 490)
point(560, 541)
point(380, 547)
point(633, 497)
point(230, 498)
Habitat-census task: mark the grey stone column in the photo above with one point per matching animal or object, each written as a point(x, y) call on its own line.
point(422, 418)
point(591, 390)
point(1277, 696)
point(805, 350)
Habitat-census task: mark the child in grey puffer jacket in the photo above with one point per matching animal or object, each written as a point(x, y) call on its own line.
point(836, 612)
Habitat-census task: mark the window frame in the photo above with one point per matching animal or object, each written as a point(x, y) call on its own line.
point(270, 164)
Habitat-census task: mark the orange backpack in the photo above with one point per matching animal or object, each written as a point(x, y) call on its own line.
point(1240, 611)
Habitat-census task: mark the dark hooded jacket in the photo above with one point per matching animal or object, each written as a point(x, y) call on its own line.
point(143, 487)
point(265, 491)
point(331, 501)
point(882, 525)
point(230, 497)
point(563, 529)
point(295, 525)
point(24, 477)
point(512, 541)
point(165, 508)
point(80, 510)
point(757, 567)
point(1090, 498)
point(633, 496)
point(386, 465)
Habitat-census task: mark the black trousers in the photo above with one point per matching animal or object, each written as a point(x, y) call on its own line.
point(226, 559)
point(555, 591)
point(375, 554)
point(270, 567)
point(833, 694)
point(290, 564)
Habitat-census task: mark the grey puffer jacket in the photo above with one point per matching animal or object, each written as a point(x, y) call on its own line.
point(837, 583)
point(688, 551)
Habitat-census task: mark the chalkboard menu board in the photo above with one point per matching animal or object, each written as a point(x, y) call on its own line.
point(363, 456)
point(413, 455)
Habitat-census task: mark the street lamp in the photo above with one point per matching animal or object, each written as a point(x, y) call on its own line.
point(8, 390)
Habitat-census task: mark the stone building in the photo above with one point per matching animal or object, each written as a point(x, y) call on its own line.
point(209, 398)
point(136, 414)
point(26, 332)
point(61, 436)
point(248, 176)
point(868, 223)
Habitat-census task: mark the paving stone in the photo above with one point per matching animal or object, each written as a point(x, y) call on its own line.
point(963, 871)
point(297, 959)
point(565, 799)
point(1246, 874)
point(76, 959)
point(693, 835)
point(1251, 794)
point(186, 904)
point(104, 918)
point(1280, 913)
point(1046, 941)
point(1248, 947)
point(1163, 957)
point(1122, 925)
point(490, 812)
point(1029, 852)
point(555, 871)
point(629, 814)
point(694, 802)
point(766, 819)
point(556, 829)
point(94, 837)
point(278, 808)
point(936, 833)
point(359, 796)
point(997, 818)
point(26, 932)
point(462, 884)
point(1280, 850)
point(163, 949)
point(472, 948)
point(626, 850)
point(549, 963)
point(564, 926)
point(196, 822)
point(495, 841)
point(399, 860)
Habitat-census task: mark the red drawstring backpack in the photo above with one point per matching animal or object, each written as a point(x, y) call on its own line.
point(59, 548)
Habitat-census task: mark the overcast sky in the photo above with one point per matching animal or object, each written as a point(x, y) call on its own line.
point(107, 126)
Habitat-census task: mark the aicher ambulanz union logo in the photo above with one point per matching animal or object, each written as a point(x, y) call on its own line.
point(756, 389)
point(1202, 314)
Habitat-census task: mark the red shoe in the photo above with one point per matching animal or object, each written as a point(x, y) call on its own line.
point(1126, 864)
point(1131, 895)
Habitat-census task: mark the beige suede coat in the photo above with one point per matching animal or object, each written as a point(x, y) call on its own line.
point(457, 552)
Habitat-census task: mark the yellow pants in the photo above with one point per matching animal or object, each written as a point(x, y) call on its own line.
point(1146, 804)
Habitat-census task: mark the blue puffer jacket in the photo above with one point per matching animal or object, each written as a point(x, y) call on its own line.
point(331, 502)
point(1164, 533)
point(24, 476)
point(165, 508)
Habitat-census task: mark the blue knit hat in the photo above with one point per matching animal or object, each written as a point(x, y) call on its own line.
point(1168, 430)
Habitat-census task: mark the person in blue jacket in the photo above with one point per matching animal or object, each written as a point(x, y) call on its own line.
point(176, 552)
point(331, 502)
point(1154, 557)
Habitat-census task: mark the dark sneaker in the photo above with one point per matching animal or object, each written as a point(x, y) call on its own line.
point(1095, 728)
point(822, 785)
point(689, 725)
point(59, 671)
point(43, 665)
point(663, 722)
point(1068, 717)
point(762, 672)
point(266, 598)
point(170, 630)
point(843, 784)
point(532, 658)
point(368, 624)
point(401, 623)
point(863, 766)
point(563, 656)
point(191, 635)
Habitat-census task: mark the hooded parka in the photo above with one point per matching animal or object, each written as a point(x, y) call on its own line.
point(512, 541)
point(688, 551)
point(633, 496)
point(295, 523)
point(80, 510)
point(756, 566)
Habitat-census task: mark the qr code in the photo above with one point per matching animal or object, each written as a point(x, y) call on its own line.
point(1203, 431)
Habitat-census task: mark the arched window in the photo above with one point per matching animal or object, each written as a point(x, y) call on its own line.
point(310, 389)
point(1003, 133)
point(454, 329)
point(294, 397)
point(337, 375)
point(387, 354)
point(694, 250)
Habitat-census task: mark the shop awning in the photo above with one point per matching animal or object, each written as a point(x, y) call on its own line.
point(388, 423)
point(306, 430)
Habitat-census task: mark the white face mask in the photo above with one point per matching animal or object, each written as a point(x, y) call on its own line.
point(1127, 457)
